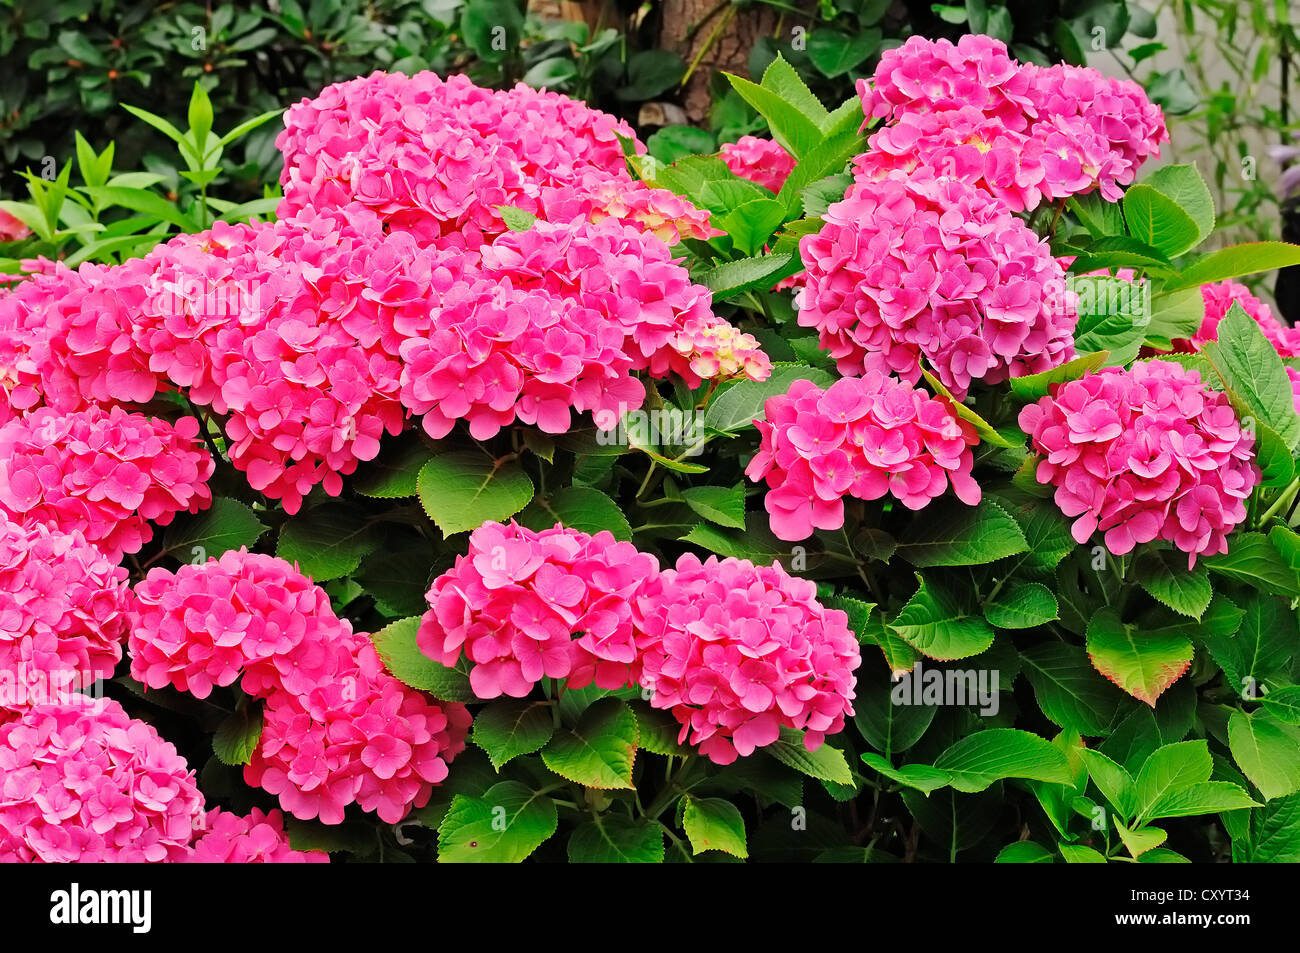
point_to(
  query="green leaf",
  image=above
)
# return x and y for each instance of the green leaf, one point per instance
(600, 751)
(516, 219)
(1157, 220)
(1184, 185)
(1284, 704)
(492, 28)
(1144, 664)
(649, 73)
(936, 624)
(921, 777)
(658, 730)
(1251, 558)
(507, 729)
(392, 475)
(1265, 750)
(1203, 797)
(200, 117)
(824, 764)
(614, 839)
(1024, 852)
(397, 649)
(713, 823)
(784, 80)
(1022, 606)
(835, 53)
(1069, 690)
(796, 133)
(461, 491)
(1141, 839)
(227, 524)
(1034, 386)
(1078, 854)
(1276, 837)
(1175, 315)
(752, 223)
(675, 142)
(503, 826)
(976, 761)
(238, 736)
(731, 278)
(1234, 262)
(328, 541)
(397, 576)
(742, 403)
(954, 534)
(1164, 574)
(1113, 781)
(578, 507)
(724, 506)
(887, 727)
(1254, 375)
(1169, 768)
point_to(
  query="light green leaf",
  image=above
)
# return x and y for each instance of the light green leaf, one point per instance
(1022, 605)
(1234, 262)
(724, 506)
(935, 623)
(742, 403)
(1158, 221)
(954, 534)
(713, 823)
(976, 761)
(503, 826)
(825, 764)
(397, 649)
(460, 491)
(1164, 574)
(238, 736)
(1265, 750)
(600, 751)
(1144, 664)
(509, 728)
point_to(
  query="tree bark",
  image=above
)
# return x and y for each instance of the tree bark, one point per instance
(719, 34)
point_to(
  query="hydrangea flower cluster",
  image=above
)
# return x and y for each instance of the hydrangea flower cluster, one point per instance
(862, 437)
(716, 350)
(761, 161)
(523, 605)
(1143, 454)
(104, 473)
(64, 613)
(1020, 131)
(737, 651)
(337, 728)
(918, 266)
(256, 839)
(84, 782)
(438, 157)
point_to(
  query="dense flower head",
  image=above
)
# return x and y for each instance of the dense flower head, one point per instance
(1219, 299)
(337, 728)
(104, 473)
(437, 158)
(716, 350)
(258, 838)
(963, 143)
(761, 161)
(737, 651)
(1095, 130)
(918, 266)
(1143, 454)
(83, 782)
(861, 437)
(64, 613)
(523, 605)
(1022, 131)
(928, 75)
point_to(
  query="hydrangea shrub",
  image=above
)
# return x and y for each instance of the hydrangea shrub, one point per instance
(515, 494)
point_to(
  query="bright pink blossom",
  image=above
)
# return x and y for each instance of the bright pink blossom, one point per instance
(63, 614)
(104, 473)
(912, 267)
(1219, 299)
(1143, 454)
(761, 161)
(737, 652)
(82, 782)
(863, 437)
(256, 839)
(525, 605)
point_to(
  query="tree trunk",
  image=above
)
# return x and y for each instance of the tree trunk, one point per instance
(724, 33)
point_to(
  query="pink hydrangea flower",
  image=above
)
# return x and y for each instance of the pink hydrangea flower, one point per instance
(917, 266)
(761, 161)
(337, 728)
(104, 473)
(1143, 454)
(718, 351)
(862, 437)
(930, 75)
(82, 782)
(965, 144)
(63, 614)
(525, 605)
(258, 838)
(737, 651)
(1293, 376)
